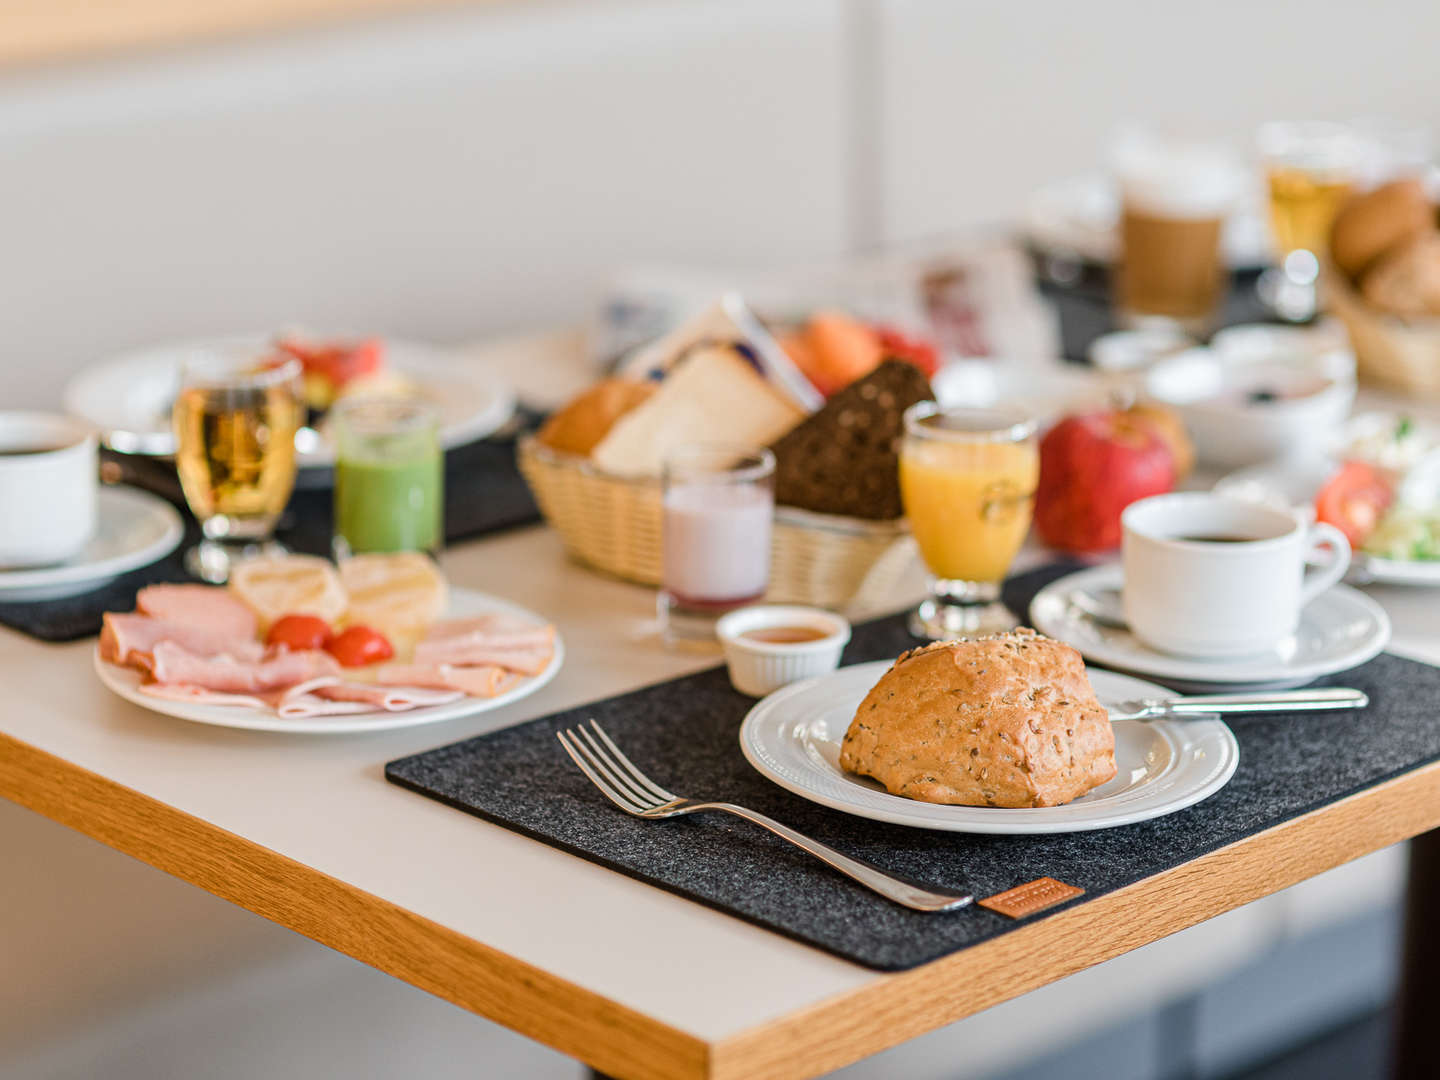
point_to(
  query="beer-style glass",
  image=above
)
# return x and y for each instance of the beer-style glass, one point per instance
(1309, 171)
(235, 420)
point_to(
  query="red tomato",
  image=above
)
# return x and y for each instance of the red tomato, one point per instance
(358, 646)
(299, 632)
(1353, 499)
(337, 361)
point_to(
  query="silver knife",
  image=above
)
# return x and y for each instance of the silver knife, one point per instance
(1311, 700)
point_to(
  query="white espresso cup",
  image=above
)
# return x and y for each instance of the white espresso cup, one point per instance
(48, 484)
(1214, 577)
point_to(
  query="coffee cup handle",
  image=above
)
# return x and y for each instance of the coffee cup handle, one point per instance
(1317, 581)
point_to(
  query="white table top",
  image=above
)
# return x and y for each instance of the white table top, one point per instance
(323, 802)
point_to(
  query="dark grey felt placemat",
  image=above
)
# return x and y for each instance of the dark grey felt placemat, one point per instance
(684, 732)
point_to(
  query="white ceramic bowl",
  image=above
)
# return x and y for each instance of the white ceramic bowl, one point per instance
(1309, 398)
(759, 667)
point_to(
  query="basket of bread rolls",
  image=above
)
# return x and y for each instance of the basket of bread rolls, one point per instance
(1384, 284)
(827, 400)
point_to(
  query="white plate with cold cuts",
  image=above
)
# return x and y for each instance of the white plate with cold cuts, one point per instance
(1340, 629)
(793, 738)
(125, 681)
(132, 529)
(129, 396)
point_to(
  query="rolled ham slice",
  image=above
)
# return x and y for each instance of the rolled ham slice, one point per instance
(210, 606)
(199, 695)
(512, 628)
(485, 681)
(498, 640)
(462, 651)
(389, 698)
(324, 695)
(177, 665)
(131, 638)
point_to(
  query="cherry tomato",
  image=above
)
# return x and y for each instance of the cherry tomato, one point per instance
(358, 646)
(299, 632)
(1353, 500)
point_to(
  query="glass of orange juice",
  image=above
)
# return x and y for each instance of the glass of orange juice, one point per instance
(967, 479)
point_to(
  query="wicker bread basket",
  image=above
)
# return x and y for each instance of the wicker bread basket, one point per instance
(613, 524)
(1403, 354)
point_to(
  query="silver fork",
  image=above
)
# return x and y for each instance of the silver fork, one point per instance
(632, 791)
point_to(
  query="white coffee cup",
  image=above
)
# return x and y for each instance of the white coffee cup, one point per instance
(1217, 598)
(48, 483)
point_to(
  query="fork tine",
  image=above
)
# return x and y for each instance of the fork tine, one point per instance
(601, 762)
(648, 784)
(616, 797)
(612, 772)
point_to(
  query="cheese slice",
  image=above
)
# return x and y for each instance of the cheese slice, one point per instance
(289, 585)
(712, 395)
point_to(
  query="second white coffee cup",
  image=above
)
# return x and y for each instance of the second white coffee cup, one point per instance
(1214, 577)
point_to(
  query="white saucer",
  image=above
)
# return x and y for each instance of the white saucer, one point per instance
(125, 681)
(1339, 629)
(133, 529)
(793, 738)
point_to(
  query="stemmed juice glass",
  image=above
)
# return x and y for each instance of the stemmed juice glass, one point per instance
(967, 480)
(235, 420)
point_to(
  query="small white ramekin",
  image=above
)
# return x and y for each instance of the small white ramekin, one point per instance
(759, 667)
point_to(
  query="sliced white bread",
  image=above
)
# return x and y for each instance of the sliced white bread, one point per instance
(711, 395)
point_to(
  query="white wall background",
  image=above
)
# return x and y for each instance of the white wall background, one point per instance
(459, 173)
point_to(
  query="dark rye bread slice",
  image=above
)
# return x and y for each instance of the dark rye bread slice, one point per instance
(845, 459)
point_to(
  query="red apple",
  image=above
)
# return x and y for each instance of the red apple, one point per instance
(1091, 467)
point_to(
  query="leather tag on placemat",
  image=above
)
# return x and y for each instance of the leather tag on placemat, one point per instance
(1032, 897)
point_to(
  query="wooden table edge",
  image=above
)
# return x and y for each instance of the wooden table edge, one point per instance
(621, 1042)
(577, 1022)
(854, 1025)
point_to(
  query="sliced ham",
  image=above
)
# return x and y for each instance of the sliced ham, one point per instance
(176, 664)
(199, 695)
(131, 638)
(389, 698)
(209, 606)
(514, 628)
(485, 681)
(498, 640)
(462, 651)
(325, 695)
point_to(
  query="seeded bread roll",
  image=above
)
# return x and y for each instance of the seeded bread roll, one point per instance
(1009, 720)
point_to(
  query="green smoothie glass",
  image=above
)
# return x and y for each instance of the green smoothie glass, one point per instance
(389, 476)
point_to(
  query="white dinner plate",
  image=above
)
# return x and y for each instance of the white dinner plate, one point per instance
(129, 396)
(793, 738)
(1293, 486)
(1340, 629)
(125, 681)
(1078, 217)
(132, 529)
